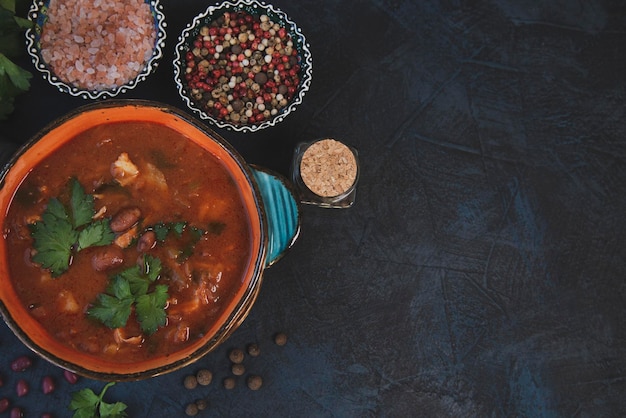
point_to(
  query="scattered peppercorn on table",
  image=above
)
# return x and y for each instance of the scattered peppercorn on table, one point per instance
(462, 191)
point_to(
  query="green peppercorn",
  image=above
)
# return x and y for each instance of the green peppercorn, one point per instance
(190, 382)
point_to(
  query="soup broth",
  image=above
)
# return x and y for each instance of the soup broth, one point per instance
(168, 203)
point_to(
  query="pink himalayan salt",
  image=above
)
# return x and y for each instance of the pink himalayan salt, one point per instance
(96, 44)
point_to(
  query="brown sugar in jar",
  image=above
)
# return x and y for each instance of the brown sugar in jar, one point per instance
(327, 171)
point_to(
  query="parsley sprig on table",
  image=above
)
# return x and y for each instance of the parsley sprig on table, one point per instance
(131, 288)
(86, 404)
(13, 79)
(61, 233)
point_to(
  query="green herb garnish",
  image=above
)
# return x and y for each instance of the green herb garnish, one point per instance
(13, 79)
(86, 404)
(131, 288)
(186, 235)
(59, 234)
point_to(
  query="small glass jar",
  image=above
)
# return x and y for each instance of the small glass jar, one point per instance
(326, 173)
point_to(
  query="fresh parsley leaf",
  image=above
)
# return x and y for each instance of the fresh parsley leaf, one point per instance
(136, 281)
(130, 288)
(14, 80)
(150, 309)
(179, 227)
(111, 311)
(81, 204)
(95, 234)
(152, 267)
(86, 404)
(57, 235)
(113, 410)
(54, 238)
(162, 229)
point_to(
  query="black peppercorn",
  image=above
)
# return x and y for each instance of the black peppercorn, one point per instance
(190, 382)
(280, 338)
(255, 382)
(204, 377)
(236, 355)
(254, 350)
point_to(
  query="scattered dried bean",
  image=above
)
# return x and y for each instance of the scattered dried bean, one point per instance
(4, 405)
(21, 388)
(47, 385)
(16, 413)
(21, 363)
(71, 377)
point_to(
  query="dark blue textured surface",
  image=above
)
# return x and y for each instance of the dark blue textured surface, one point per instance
(482, 269)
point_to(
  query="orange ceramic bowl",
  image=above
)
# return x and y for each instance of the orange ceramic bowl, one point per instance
(272, 211)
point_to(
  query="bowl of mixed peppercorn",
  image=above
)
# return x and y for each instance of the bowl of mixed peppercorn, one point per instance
(242, 65)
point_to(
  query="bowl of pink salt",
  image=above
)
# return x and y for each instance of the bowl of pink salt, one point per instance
(96, 49)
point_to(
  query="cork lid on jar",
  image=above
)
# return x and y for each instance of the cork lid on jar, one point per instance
(327, 172)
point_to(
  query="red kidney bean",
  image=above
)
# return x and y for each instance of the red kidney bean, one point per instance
(46, 415)
(20, 364)
(4, 405)
(124, 219)
(1, 381)
(70, 376)
(146, 241)
(16, 413)
(47, 385)
(22, 388)
(107, 258)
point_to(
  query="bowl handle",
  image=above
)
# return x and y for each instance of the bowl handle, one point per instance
(282, 211)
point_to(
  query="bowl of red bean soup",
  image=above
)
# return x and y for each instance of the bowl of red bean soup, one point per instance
(135, 239)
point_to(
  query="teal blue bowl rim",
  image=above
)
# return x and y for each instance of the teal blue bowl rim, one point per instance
(38, 15)
(282, 211)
